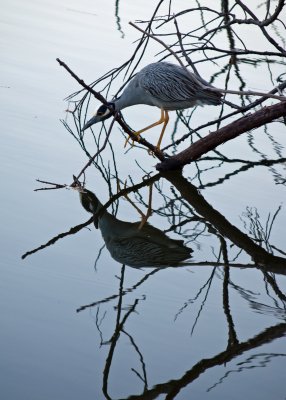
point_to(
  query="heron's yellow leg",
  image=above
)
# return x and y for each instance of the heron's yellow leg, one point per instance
(166, 120)
(128, 198)
(149, 209)
(144, 217)
(138, 133)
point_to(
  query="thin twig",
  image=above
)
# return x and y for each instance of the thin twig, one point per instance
(54, 185)
(189, 61)
(52, 241)
(100, 150)
(159, 41)
(249, 93)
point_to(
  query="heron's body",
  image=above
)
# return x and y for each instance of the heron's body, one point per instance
(163, 85)
(167, 86)
(128, 245)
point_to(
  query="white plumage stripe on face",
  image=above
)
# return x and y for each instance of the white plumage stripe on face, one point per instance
(107, 111)
(102, 111)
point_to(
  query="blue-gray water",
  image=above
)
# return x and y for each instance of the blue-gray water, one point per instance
(60, 315)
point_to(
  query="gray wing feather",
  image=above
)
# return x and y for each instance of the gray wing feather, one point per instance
(140, 252)
(172, 83)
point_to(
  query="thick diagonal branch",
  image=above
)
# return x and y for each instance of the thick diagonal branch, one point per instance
(222, 135)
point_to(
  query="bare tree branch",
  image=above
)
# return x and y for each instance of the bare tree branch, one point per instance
(228, 132)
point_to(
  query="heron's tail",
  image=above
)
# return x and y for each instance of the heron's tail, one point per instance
(211, 98)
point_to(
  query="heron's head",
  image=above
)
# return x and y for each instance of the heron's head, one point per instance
(102, 113)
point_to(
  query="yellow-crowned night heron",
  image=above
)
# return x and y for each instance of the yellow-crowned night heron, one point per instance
(147, 247)
(164, 85)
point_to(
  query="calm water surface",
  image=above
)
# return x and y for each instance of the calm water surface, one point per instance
(76, 323)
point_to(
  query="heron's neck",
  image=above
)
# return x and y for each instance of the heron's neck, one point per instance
(121, 102)
(91, 204)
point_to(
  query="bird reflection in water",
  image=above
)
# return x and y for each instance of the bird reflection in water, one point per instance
(129, 245)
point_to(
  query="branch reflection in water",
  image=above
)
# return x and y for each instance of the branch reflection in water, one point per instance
(218, 226)
(125, 242)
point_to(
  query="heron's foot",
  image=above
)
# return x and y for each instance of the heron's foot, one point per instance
(153, 152)
(133, 140)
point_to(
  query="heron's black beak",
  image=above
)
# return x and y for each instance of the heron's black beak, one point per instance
(93, 120)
